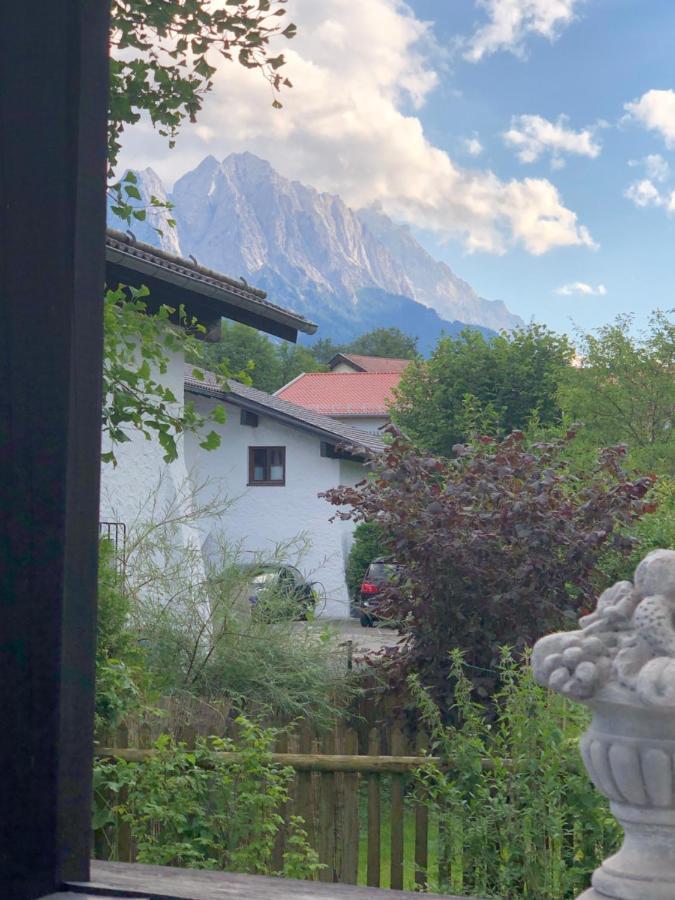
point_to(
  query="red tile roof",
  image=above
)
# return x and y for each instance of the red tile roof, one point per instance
(342, 393)
(371, 363)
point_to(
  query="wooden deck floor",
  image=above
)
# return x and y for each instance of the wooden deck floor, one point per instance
(164, 883)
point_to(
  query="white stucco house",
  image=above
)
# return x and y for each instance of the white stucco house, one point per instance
(275, 457)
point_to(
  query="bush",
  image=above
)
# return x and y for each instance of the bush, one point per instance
(192, 618)
(499, 545)
(194, 809)
(521, 818)
(117, 656)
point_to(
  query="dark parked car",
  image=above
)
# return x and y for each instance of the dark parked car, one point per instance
(379, 574)
(279, 592)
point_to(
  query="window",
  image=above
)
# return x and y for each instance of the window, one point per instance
(267, 465)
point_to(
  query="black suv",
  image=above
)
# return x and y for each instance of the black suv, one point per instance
(380, 572)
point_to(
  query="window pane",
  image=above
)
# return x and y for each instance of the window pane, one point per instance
(259, 464)
(276, 456)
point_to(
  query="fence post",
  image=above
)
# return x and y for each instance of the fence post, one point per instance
(397, 811)
(374, 814)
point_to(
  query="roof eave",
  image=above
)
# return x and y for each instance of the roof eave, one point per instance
(229, 297)
(261, 409)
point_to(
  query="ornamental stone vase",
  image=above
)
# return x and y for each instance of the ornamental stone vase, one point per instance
(621, 664)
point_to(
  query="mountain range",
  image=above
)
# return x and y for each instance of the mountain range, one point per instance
(348, 270)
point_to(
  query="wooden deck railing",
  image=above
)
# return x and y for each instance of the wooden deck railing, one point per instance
(347, 799)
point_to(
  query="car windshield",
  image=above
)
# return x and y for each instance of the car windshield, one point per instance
(381, 571)
(265, 578)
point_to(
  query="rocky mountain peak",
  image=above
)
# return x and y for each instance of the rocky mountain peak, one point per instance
(314, 253)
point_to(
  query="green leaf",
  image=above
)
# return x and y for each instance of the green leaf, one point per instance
(211, 442)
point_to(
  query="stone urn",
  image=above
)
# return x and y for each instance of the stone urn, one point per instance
(621, 664)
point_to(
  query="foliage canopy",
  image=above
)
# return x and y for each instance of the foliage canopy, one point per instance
(625, 390)
(476, 385)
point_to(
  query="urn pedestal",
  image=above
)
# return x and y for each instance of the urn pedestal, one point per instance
(621, 664)
(629, 753)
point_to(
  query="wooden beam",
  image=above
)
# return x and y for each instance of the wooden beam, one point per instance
(53, 102)
(301, 762)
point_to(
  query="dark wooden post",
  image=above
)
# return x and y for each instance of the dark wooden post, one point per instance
(53, 101)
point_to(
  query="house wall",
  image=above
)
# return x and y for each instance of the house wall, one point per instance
(263, 517)
(126, 488)
(344, 367)
(366, 423)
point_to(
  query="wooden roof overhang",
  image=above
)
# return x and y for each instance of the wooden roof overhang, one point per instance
(206, 294)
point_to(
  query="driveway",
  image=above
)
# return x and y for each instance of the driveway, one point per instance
(364, 640)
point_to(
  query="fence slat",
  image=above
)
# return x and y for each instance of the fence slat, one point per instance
(327, 814)
(374, 824)
(421, 823)
(339, 804)
(350, 837)
(304, 799)
(397, 813)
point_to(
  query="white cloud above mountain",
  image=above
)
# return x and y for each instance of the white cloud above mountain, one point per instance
(350, 126)
(655, 111)
(532, 137)
(511, 22)
(582, 288)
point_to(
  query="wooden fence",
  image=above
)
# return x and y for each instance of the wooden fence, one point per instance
(351, 786)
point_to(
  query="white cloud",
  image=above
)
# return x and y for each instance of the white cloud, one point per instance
(655, 110)
(653, 190)
(511, 21)
(656, 167)
(472, 146)
(580, 287)
(645, 193)
(534, 136)
(348, 126)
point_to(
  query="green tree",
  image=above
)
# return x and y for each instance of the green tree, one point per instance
(294, 359)
(391, 343)
(242, 348)
(624, 392)
(268, 365)
(325, 349)
(472, 383)
(387, 342)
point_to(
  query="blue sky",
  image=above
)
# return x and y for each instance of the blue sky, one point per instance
(569, 219)
(613, 53)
